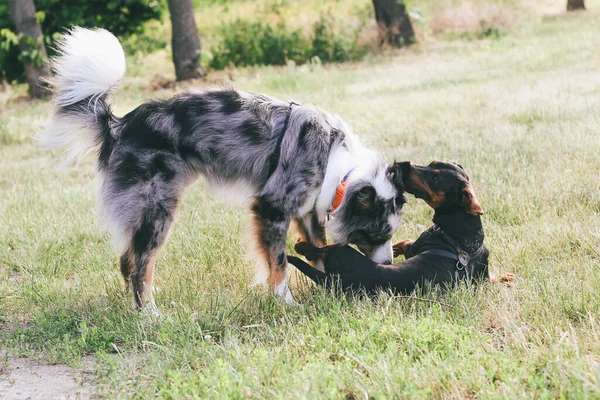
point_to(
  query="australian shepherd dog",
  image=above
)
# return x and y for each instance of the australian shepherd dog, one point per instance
(301, 164)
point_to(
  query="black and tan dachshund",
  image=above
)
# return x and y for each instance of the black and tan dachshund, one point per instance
(450, 251)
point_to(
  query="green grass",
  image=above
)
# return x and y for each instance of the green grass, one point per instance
(520, 113)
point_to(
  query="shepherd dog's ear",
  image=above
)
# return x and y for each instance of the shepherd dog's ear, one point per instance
(312, 253)
(362, 200)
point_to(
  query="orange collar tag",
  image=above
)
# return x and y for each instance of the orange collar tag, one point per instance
(340, 192)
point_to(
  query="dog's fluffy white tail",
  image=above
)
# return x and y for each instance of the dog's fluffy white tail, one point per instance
(89, 66)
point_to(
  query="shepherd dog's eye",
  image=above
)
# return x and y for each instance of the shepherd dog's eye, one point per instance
(434, 178)
(399, 201)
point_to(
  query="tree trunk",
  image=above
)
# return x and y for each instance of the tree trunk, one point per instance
(575, 5)
(22, 13)
(394, 23)
(185, 40)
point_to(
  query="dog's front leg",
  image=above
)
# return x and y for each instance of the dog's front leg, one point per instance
(271, 224)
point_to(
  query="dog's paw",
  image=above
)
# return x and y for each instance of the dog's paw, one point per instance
(504, 278)
(288, 299)
(150, 309)
(283, 293)
(508, 277)
(400, 247)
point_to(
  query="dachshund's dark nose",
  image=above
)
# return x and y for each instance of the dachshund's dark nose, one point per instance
(387, 262)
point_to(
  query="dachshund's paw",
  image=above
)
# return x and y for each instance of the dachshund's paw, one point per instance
(504, 278)
(400, 247)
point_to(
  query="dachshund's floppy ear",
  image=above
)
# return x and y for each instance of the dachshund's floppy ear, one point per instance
(396, 175)
(470, 202)
(462, 169)
(308, 250)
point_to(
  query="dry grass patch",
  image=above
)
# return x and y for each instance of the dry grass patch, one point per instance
(470, 19)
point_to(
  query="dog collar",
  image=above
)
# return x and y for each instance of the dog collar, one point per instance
(340, 192)
(461, 257)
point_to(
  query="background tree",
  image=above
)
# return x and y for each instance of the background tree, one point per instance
(31, 44)
(185, 40)
(394, 23)
(575, 5)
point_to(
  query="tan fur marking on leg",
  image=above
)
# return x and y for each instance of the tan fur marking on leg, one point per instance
(145, 290)
(148, 294)
(276, 277)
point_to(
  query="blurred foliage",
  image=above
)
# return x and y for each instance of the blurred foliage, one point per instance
(256, 43)
(333, 44)
(204, 3)
(147, 41)
(122, 17)
(9, 42)
(246, 43)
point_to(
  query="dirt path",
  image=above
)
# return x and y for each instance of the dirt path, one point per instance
(25, 378)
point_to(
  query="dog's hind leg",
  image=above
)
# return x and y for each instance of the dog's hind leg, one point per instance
(147, 241)
(126, 261)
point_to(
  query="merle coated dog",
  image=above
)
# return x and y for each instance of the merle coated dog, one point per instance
(297, 163)
(450, 251)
